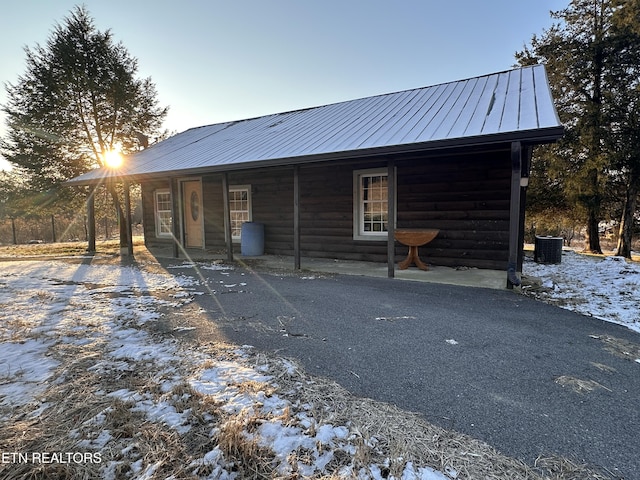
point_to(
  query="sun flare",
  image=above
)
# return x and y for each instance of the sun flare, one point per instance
(113, 158)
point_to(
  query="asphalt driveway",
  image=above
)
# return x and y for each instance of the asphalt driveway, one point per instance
(525, 377)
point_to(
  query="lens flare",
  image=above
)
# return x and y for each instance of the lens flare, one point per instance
(112, 158)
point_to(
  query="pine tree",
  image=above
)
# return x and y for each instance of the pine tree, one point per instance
(625, 117)
(78, 99)
(581, 53)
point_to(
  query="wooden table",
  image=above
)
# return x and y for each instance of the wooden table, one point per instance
(414, 238)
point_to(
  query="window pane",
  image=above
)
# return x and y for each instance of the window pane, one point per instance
(165, 222)
(374, 203)
(163, 213)
(239, 206)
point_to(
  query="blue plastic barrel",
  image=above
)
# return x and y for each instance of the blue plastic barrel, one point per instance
(252, 239)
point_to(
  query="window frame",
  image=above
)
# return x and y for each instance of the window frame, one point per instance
(157, 211)
(358, 204)
(240, 188)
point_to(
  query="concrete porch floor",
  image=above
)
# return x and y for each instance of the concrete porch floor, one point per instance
(463, 276)
(470, 277)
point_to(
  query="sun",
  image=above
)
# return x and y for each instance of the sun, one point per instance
(112, 158)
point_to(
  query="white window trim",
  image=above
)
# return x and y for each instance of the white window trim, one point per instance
(161, 191)
(358, 234)
(247, 188)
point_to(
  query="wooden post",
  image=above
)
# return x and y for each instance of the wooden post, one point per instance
(91, 220)
(296, 217)
(127, 217)
(391, 219)
(524, 183)
(514, 215)
(175, 216)
(227, 216)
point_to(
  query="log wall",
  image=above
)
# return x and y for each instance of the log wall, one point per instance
(464, 195)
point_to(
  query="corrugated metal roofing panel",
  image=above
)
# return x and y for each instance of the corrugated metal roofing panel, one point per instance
(511, 108)
(474, 124)
(515, 103)
(545, 108)
(528, 110)
(451, 110)
(466, 111)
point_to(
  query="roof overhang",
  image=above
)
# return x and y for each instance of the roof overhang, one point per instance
(533, 137)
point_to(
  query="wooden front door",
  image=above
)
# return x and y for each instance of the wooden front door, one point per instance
(192, 201)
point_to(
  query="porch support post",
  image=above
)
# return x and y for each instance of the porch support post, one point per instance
(91, 220)
(175, 216)
(527, 153)
(514, 215)
(296, 217)
(127, 217)
(391, 219)
(227, 216)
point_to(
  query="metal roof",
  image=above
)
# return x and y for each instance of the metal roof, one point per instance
(505, 106)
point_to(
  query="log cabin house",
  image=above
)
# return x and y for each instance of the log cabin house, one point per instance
(337, 180)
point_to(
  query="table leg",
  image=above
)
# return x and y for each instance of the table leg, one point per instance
(412, 257)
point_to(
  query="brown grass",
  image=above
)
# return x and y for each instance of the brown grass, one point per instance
(619, 347)
(110, 247)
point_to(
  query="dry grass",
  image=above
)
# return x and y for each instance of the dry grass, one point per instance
(80, 412)
(253, 461)
(579, 385)
(619, 347)
(110, 247)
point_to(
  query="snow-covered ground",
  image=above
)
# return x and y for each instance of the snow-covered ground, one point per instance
(604, 287)
(52, 312)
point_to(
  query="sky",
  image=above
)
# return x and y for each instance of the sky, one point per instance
(214, 61)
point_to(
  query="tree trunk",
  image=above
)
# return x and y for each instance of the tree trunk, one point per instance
(592, 202)
(625, 236)
(122, 218)
(592, 239)
(53, 229)
(13, 231)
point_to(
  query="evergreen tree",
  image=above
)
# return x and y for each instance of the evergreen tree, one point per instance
(79, 99)
(582, 53)
(625, 117)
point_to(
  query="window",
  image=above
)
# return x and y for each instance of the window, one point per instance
(370, 194)
(164, 221)
(239, 208)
